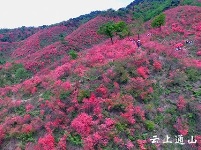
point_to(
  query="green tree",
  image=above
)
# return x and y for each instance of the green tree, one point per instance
(158, 21)
(121, 29)
(108, 29)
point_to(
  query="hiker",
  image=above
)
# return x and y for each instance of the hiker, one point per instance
(178, 46)
(149, 34)
(189, 42)
(138, 43)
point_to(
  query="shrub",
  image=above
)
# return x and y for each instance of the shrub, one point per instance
(197, 93)
(181, 126)
(121, 74)
(157, 65)
(143, 71)
(73, 54)
(83, 94)
(82, 124)
(178, 78)
(75, 139)
(64, 95)
(21, 73)
(181, 103)
(26, 137)
(158, 21)
(193, 74)
(121, 126)
(46, 95)
(47, 142)
(2, 61)
(20, 110)
(149, 125)
(119, 108)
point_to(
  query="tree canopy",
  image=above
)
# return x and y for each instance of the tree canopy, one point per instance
(158, 21)
(110, 28)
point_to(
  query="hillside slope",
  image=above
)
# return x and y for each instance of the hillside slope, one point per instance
(104, 96)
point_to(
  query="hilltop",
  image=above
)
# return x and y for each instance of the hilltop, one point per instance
(67, 87)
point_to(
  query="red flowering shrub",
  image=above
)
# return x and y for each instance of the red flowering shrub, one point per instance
(27, 128)
(141, 144)
(86, 35)
(29, 107)
(178, 28)
(116, 87)
(102, 90)
(62, 143)
(198, 138)
(117, 100)
(199, 53)
(66, 85)
(181, 126)
(129, 145)
(109, 122)
(117, 140)
(47, 142)
(139, 112)
(92, 104)
(143, 71)
(2, 133)
(181, 103)
(128, 115)
(29, 85)
(157, 65)
(140, 87)
(82, 124)
(91, 141)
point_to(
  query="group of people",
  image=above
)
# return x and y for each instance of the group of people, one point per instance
(138, 43)
(189, 42)
(180, 45)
